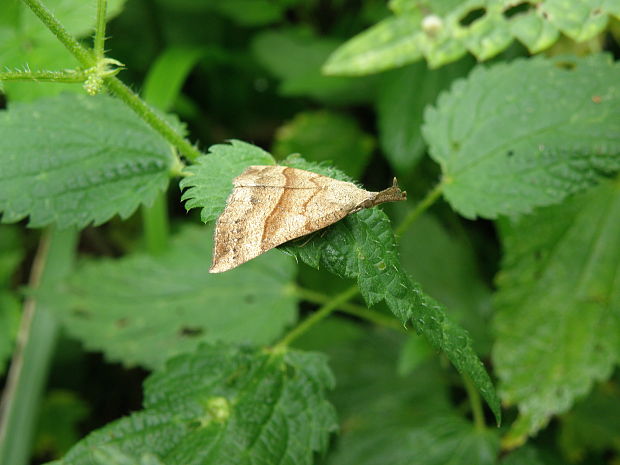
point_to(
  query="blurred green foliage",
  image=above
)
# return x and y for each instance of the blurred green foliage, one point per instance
(365, 89)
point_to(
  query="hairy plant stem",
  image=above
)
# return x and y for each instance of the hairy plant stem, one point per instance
(34, 349)
(475, 402)
(84, 56)
(348, 308)
(420, 208)
(133, 101)
(88, 60)
(102, 6)
(317, 316)
(69, 76)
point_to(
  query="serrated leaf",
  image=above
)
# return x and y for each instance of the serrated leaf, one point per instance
(558, 306)
(442, 260)
(504, 149)
(142, 310)
(388, 44)
(326, 136)
(362, 247)
(578, 19)
(74, 160)
(445, 439)
(210, 179)
(295, 57)
(28, 44)
(403, 95)
(226, 405)
(440, 32)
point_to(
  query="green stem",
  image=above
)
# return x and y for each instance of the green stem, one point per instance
(420, 208)
(138, 105)
(155, 224)
(84, 56)
(35, 347)
(69, 76)
(317, 316)
(475, 402)
(115, 85)
(349, 308)
(100, 29)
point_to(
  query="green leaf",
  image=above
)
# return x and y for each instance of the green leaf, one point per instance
(362, 246)
(444, 440)
(388, 44)
(75, 160)
(403, 95)
(322, 136)
(143, 310)
(504, 149)
(592, 425)
(108, 455)
(442, 31)
(558, 306)
(443, 261)
(226, 405)
(210, 179)
(295, 57)
(25, 43)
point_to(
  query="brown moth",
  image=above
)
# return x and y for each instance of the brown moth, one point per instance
(270, 205)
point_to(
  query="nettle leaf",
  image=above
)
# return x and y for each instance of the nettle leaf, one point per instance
(210, 179)
(443, 32)
(226, 405)
(526, 134)
(402, 98)
(362, 247)
(141, 310)
(443, 261)
(112, 456)
(326, 136)
(443, 440)
(558, 306)
(73, 160)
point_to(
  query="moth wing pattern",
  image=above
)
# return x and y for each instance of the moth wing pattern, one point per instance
(270, 205)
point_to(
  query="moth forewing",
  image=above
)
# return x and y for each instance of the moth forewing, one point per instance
(271, 205)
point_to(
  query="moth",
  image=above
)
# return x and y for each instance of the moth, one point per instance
(271, 205)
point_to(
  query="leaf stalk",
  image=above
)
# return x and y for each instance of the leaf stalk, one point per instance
(420, 208)
(316, 317)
